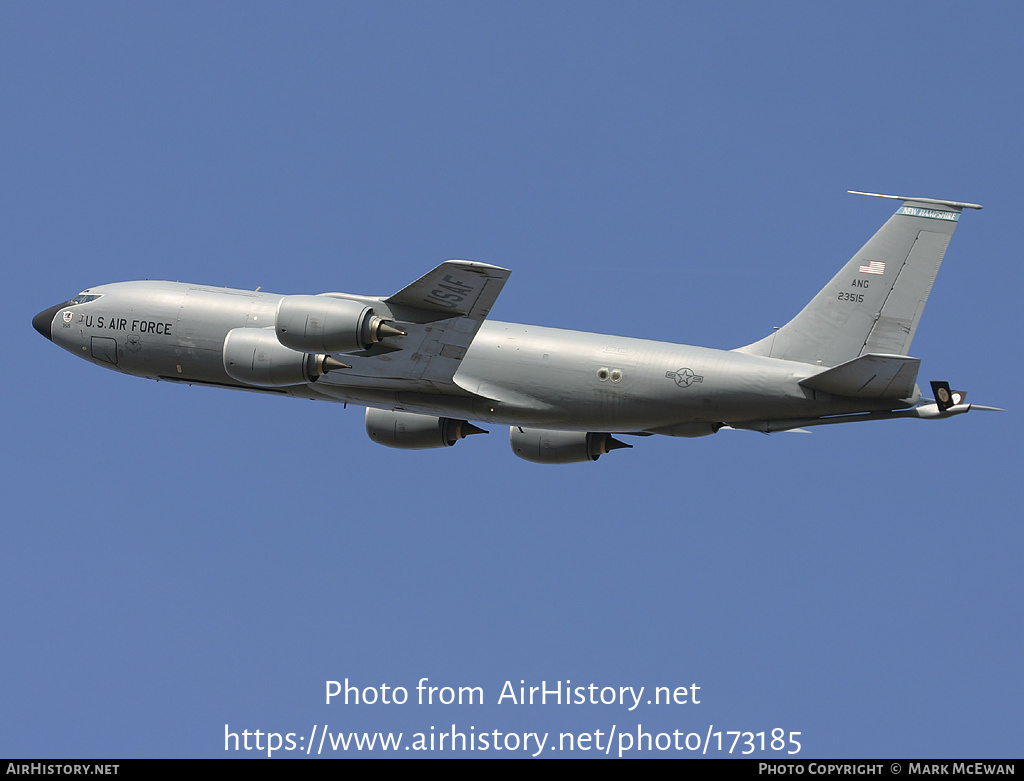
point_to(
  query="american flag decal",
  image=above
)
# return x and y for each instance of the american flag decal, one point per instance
(873, 267)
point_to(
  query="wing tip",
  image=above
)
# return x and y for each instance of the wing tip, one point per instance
(474, 264)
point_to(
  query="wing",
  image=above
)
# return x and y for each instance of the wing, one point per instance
(456, 288)
(441, 313)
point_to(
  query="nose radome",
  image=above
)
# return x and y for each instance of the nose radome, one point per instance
(44, 320)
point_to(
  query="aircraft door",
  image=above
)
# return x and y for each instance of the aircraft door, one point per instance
(104, 350)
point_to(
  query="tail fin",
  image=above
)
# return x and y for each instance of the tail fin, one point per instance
(873, 305)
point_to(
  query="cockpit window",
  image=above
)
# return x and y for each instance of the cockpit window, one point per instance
(85, 298)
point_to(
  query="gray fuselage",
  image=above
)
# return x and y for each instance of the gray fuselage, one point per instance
(511, 374)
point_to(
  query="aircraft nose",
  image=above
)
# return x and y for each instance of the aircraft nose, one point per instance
(44, 320)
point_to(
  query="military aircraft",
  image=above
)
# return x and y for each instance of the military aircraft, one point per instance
(425, 361)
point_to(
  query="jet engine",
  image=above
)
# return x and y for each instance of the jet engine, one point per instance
(689, 429)
(410, 431)
(255, 357)
(329, 325)
(560, 447)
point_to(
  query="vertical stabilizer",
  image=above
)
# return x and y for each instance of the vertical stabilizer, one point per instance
(873, 305)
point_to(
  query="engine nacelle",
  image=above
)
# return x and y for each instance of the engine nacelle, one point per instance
(560, 447)
(255, 357)
(688, 430)
(410, 431)
(321, 324)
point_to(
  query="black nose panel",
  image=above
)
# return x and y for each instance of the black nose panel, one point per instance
(44, 319)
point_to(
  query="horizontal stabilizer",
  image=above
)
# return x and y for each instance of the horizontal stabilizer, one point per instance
(869, 377)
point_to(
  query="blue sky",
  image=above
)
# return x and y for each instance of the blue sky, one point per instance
(180, 559)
